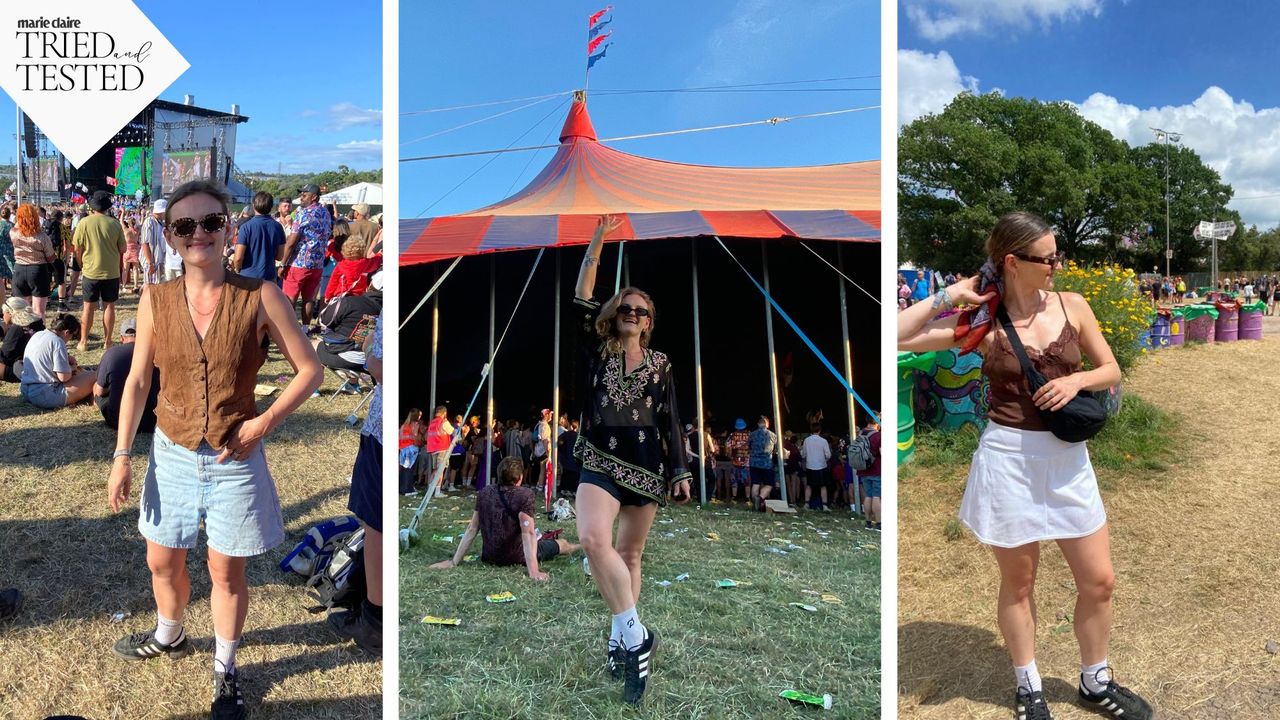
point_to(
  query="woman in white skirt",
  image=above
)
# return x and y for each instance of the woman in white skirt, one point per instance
(1025, 485)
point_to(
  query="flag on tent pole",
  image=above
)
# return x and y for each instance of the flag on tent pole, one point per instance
(111, 181)
(595, 38)
(595, 17)
(591, 59)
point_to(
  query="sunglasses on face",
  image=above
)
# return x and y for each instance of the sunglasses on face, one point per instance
(186, 227)
(640, 312)
(1052, 260)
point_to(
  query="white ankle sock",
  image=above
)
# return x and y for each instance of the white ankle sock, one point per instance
(630, 627)
(1028, 676)
(167, 631)
(224, 654)
(1095, 677)
(615, 633)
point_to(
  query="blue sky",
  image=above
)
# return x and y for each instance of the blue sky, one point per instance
(1206, 70)
(455, 54)
(309, 78)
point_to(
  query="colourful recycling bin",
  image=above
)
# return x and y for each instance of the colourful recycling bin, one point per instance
(1160, 327)
(1251, 320)
(1177, 327)
(908, 364)
(1227, 326)
(1200, 322)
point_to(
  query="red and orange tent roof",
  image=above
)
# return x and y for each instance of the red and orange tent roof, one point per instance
(656, 199)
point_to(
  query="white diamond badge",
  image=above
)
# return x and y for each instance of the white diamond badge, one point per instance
(82, 74)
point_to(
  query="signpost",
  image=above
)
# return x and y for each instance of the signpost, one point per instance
(1214, 231)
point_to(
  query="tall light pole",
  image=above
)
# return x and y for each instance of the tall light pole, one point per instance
(1166, 136)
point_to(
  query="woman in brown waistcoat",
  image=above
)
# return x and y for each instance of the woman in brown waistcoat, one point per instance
(1025, 485)
(205, 331)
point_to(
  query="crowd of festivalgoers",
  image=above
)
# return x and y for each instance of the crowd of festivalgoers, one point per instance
(56, 257)
(741, 465)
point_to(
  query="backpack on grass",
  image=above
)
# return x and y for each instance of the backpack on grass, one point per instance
(340, 583)
(313, 552)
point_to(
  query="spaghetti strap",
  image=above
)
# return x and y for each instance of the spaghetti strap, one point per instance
(1064, 308)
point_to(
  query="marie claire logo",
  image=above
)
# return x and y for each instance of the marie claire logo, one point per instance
(83, 75)
(66, 58)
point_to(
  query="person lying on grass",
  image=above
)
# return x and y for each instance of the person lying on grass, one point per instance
(504, 519)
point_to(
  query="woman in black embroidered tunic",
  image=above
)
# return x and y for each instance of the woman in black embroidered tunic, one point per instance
(630, 446)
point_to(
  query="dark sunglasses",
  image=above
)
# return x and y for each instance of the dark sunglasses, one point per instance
(638, 311)
(1056, 259)
(186, 227)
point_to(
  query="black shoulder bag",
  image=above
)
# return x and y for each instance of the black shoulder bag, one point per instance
(1080, 419)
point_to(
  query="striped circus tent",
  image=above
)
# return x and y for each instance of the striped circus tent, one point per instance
(656, 199)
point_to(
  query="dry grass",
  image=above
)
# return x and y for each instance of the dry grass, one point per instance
(722, 653)
(1196, 547)
(78, 564)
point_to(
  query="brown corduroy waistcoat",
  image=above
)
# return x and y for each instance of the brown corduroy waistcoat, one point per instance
(206, 388)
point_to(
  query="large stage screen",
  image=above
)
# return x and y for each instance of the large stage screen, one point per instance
(180, 167)
(46, 179)
(133, 170)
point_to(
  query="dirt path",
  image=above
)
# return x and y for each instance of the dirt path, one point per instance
(1196, 549)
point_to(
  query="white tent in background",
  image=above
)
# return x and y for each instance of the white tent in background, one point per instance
(364, 192)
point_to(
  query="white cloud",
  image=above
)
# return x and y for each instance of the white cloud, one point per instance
(345, 116)
(1233, 137)
(941, 19)
(927, 82)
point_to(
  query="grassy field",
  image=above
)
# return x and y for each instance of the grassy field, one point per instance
(723, 653)
(1187, 473)
(81, 566)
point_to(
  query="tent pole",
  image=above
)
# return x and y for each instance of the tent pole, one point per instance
(848, 365)
(488, 450)
(435, 343)
(700, 426)
(773, 376)
(617, 278)
(553, 451)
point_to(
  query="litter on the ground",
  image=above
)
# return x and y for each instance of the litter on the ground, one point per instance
(264, 390)
(823, 701)
(831, 599)
(120, 615)
(802, 606)
(682, 577)
(726, 583)
(774, 550)
(663, 583)
(502, 597)
(442, 538)
(714, 537)
(433, 620)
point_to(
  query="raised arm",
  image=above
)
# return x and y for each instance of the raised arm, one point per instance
(285, 331)
(918, 331)
(587, 274)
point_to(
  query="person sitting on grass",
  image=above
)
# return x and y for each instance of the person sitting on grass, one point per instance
(504, 518)
(112, 373)
(20, 325)
(50, 377)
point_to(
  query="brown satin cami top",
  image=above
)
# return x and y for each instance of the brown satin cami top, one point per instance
(206, 387)
(1011, 403)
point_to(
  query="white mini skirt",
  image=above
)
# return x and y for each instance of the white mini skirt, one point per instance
(1028, 486)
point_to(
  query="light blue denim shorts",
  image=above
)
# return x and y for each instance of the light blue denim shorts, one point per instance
(49, 396)
(236, 501)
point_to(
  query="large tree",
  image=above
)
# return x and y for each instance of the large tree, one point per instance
(986, 155)
(1196, 193)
